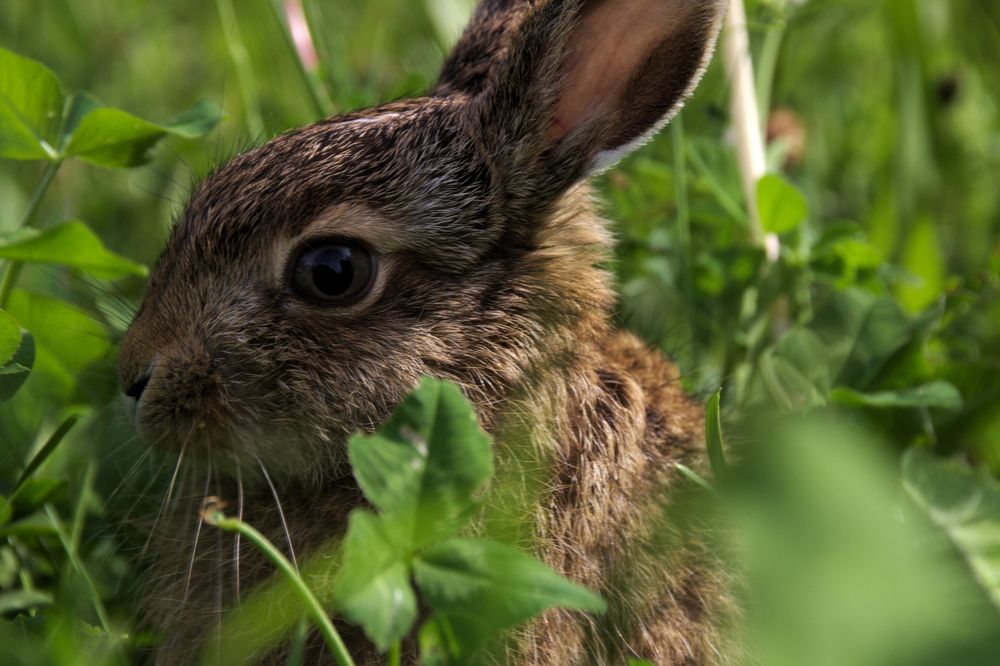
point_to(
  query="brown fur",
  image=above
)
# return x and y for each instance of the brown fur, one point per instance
(488, 277)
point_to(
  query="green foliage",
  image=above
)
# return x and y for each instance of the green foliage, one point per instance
(782, 206)
(875, 330)
(423, 471)
(70, 243)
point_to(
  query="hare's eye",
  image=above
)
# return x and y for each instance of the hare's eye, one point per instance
(335, 272)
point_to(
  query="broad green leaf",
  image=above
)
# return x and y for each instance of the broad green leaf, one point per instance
(70, 349)
(113, 138)
(424, 466)
(861, 333)
(965, 505)
(781, 205)
(713, 436)
(10, 337)
(6, 512)
(489, 586)
(835, 574)
(70, 243)
(31, 104)
(938, 394)
(373, 586)
(16, 371)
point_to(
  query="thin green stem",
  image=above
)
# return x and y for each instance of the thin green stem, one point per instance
(395, 654)
(28, 218)
(74, 559)
(767, 66)
(213, 516)
(317, 95)
(13, 271)
(244, 72)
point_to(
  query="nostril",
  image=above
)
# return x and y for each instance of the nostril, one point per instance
(137, 387)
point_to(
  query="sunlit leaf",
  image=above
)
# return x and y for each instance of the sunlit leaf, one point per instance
(424, 466)
(31, 104)
(70, 243)
(781, 205)
(113, 138)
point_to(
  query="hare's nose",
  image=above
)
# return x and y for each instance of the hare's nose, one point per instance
(136, 388)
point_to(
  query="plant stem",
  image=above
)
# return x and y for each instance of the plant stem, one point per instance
(28, 219)
(213, 516)
(65, 540)
(317, 95)
(746, 117)
(395, 654)
(238, 52)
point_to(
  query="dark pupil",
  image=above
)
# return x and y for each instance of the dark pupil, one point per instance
(332, 270)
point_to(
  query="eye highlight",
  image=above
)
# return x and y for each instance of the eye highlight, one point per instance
(337, 272)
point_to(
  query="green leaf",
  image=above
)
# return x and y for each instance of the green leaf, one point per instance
(861, 333)
(965, 505)
(70, 243)
(422, 469)
(781, 205)
(489, 586)
(373, 586)
(113, 138)
(71, 348)
(22, 600)
(939, 394)
(31, 104)
(15, 372)
(10, 337)
(713, 436)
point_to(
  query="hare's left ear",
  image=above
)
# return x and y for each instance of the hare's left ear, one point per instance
(584, 82)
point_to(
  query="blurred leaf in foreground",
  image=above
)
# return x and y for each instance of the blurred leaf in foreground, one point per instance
(965, 505)
(837, 575)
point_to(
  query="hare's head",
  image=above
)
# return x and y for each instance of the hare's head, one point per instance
(312, 280)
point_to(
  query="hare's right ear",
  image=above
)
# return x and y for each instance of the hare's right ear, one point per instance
(573, 85)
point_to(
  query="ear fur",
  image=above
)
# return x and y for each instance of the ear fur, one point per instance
(571, 86)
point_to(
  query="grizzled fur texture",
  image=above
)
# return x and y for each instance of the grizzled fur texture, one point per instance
(475, 200)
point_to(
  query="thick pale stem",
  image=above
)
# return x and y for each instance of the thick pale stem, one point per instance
(746, 118)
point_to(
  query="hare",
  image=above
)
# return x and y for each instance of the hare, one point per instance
(312, 281)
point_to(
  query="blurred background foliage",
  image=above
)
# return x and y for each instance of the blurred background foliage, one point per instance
(876, 330)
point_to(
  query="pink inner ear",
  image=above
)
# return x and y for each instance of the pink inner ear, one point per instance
(609, 45)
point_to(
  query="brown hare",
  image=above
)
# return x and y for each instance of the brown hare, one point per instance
(312, 282)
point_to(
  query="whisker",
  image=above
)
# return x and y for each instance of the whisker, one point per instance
(281, 512)
(239, 516)
(197, 533)
(166, 499)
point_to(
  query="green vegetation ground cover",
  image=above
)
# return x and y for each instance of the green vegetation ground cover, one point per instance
(860, 403)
